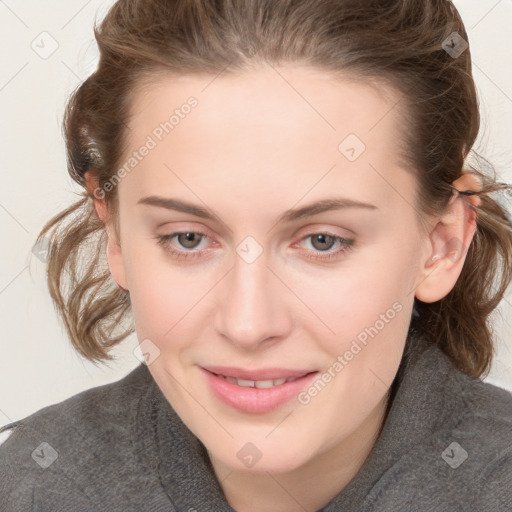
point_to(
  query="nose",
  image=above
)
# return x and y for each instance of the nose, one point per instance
(252, 305)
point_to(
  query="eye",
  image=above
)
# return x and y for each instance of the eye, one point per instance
(322, 242)
(188, 240)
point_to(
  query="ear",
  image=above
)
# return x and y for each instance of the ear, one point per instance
(449, 242)
(114, 252)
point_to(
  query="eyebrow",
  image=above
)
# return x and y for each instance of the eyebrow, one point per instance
(333, 203)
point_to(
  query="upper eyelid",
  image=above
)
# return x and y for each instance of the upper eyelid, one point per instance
(314, 229)
(309, 233)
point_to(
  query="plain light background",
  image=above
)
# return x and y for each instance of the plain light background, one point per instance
(38, 366)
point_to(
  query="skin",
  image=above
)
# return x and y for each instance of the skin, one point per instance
(252, 149)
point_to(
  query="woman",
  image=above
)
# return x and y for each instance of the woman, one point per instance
(279, 193)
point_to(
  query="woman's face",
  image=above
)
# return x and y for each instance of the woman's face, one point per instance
(262, 281)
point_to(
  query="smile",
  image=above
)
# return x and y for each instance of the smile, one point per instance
(256, 396)
(261, 384)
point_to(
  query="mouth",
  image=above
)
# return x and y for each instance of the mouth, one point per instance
(257, 395)
(262, 375)
(260, 384)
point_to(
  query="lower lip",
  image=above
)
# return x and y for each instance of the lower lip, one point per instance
(256, 400)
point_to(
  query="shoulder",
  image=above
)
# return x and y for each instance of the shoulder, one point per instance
(450, 444)
(476, 409)
(468, 457)
(484, 412)
(484, 425)
(81, 413)
(48, 449)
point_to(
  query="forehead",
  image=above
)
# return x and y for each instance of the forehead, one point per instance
(307, 101)
(282, 127)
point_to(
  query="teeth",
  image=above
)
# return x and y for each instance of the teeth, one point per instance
(261, 384)
(268, 383)
(246, 383)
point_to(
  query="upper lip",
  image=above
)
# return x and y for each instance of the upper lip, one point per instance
(262, 374)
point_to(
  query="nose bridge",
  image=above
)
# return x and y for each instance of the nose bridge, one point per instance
(250, 311)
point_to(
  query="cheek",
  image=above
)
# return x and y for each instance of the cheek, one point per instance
(366, 311)
(167, 299)
(157, 292)
(337, 304)
(356, 297)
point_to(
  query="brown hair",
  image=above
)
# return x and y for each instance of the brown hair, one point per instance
(396, 42)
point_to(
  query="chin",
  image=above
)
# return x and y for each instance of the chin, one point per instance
(275, 464)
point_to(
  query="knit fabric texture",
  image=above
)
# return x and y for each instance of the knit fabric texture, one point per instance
(446, 445)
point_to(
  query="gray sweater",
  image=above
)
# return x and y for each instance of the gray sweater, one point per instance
(446, 445)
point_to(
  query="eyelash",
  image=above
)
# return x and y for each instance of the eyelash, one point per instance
(163, 240)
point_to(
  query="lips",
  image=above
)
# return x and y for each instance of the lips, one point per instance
(264, 374)
(256, 395)
(260, 384)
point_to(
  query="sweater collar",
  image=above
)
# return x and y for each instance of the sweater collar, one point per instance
(172, 451)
